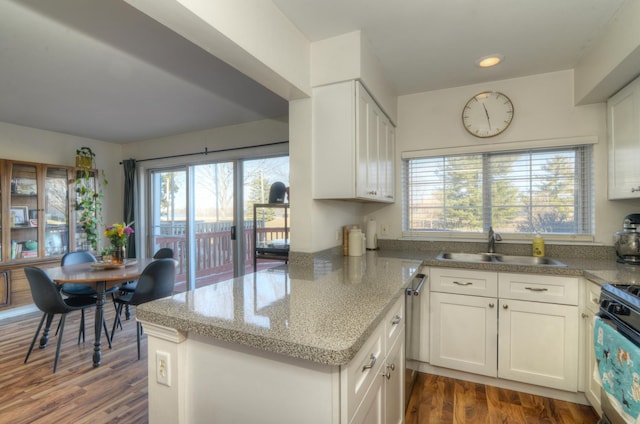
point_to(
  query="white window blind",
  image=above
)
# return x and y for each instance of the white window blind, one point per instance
(525, 192)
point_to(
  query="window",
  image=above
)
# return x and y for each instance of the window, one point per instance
(521, 192)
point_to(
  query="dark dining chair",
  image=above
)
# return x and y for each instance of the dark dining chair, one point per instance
(156, 281)
(82, 290)
(47, 298)
(130, 287)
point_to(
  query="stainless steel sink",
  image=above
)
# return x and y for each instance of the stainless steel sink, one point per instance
(499, 259)
(465, 257)
(527, 260)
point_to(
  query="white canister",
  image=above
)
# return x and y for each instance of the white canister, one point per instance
(355, 242)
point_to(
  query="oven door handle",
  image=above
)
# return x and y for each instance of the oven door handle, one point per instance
(423, 278)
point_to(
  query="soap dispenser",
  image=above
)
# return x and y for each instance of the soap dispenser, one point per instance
(538, 246)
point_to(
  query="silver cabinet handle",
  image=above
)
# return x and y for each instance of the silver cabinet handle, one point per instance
(634, 189)
(536, 289)
(372, 362)
(396, 320)
(585, 315)
(468, 283)
(387, 373)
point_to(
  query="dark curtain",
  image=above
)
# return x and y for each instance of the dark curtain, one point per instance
(129, 166)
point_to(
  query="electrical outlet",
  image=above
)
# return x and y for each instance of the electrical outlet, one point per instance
(163, 372)
(384, 229)
(337, 235)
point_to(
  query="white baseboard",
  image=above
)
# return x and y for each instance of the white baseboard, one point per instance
(15, 312)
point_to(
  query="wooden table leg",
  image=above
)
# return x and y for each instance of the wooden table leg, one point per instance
(97, 349)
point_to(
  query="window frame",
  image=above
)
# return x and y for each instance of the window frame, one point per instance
(588, 207)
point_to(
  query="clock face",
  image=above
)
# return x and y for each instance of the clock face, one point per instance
(487, 114)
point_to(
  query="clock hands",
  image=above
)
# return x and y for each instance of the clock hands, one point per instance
(487, 113)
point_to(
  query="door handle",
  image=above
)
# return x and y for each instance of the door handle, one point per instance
(233, 232)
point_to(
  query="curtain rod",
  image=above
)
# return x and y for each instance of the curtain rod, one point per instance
(207, 151)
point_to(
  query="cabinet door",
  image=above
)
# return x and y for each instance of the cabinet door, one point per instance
(387, 140)
(463, 333)
(56, 211)
(394, 383)
(23, 211)
(538, 344)
(367, 145)
(624, 142)
(371, 411)
(592, 388)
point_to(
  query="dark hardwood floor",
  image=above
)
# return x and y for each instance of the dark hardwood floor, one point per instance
(442, 400)
(116, 392)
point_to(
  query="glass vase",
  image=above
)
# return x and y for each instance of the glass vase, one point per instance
(119, 254)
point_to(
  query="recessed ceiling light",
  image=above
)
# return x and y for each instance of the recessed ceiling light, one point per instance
(488, 61)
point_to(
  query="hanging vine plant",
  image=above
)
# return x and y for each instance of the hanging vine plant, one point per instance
(89, 194)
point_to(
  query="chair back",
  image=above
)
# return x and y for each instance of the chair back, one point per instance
(163, 253)
(44, 292)
(78, 257)
(156, 281)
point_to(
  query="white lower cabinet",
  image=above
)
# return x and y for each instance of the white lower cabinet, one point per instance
(394, 383)
(528, 331)
(591, 307)
(463, 333)
(538, 344)
(372, 383)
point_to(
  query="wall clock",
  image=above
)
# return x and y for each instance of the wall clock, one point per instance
(487, 114)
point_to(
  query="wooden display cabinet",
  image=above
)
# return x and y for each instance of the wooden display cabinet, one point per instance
(37, 206)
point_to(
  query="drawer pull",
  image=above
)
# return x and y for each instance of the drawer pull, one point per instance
(396, 320)
(536, 289)
(468, 283)
(372, 362)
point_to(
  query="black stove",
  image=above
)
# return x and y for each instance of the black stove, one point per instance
(620, 304)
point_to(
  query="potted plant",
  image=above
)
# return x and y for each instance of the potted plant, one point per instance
(85, 158)
(89, 194)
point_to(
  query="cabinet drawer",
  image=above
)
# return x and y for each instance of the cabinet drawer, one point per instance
(592, 302)
(358, 375)
(394, 322)
(538, 288)
(461, 281)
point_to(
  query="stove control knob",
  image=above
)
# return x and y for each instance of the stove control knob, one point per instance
(617, 309)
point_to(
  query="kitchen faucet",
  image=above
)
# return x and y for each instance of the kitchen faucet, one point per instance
(493, 238)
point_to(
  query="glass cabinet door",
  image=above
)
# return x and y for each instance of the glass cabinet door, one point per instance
(56, 208)
(23, 210)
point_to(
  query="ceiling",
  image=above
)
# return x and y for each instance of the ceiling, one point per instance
(103, 70)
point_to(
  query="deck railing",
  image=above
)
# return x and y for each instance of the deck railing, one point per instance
(214, 254)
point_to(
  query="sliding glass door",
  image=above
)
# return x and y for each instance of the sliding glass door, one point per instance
(203, 212)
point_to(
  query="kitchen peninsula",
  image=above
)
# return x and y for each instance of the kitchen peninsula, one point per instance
(281, 345)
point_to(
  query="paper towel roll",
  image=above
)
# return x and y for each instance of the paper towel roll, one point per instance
(370, 233)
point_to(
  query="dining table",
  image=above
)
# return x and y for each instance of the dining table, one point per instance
(100, 276)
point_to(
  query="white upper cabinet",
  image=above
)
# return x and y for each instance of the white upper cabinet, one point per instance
(353, 145)
(624, 142)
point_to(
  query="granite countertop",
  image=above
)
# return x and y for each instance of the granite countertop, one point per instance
(324, 310)
(323, 313)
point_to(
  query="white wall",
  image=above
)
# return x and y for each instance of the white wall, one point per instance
(34, 145)
(544, 110)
